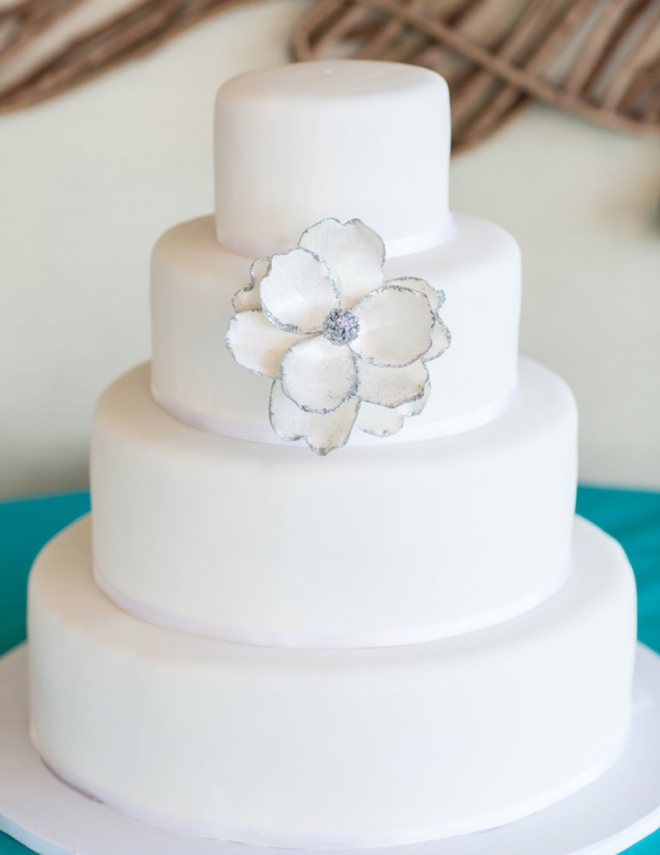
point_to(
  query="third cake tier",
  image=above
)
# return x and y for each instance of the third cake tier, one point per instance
(272, 545)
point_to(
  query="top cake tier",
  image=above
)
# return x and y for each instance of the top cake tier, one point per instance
(343, 138)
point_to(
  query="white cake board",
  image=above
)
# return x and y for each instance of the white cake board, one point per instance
(608, 816)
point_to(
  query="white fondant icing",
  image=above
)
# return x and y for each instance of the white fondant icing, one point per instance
(374, 638)
(267, 540)
(299, 143)
(364, 840)
(331, 747)
(613, 813)
(414, 430)
(402, 246)
(194, 280)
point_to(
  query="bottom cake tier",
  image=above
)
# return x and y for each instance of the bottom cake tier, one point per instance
(331, 748)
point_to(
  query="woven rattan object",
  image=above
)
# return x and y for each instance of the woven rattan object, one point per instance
(599, 59)
(596, 58)
(117, 38)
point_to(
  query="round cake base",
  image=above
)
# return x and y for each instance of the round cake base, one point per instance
(605, 818)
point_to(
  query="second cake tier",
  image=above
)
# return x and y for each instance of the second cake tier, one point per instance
(271, 545)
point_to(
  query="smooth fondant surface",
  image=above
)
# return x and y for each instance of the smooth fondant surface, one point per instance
(298, 143)
(604, 818)
(319, 747)
(272, 545)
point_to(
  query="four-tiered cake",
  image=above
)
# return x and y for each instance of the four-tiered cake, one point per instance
(404, 636)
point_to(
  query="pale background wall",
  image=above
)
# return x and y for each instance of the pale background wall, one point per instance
(87, 182)
(584, 203)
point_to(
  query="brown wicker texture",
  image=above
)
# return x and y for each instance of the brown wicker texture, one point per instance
(135, 32)
(596, 58)
(599, 59)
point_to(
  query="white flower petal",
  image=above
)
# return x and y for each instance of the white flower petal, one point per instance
(298, 291)
(441, 340)
(379, 421)
(414, 408)
(395, 326)
(436, 298)
(391, 387)
(246, 299)
(319, 376)
(322, 433)
(287, 419)
(250, 297)
(256, 344)
(333, 430)
(354, 252)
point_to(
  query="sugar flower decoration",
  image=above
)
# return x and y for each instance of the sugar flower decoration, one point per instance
(343, 347)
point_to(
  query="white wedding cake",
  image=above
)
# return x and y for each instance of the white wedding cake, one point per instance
(332, 592)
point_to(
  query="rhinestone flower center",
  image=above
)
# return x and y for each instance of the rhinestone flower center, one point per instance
(341, 326)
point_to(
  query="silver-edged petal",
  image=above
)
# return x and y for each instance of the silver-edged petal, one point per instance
(415, 407)
(395, 326)
(391, 387)
(441, 340)
(319, 376)
(435, 297)
(298, 291)
(287, 420)
(256, 344)
(332, 431)
(379, 421)
(354, 252)
(322, 433)
(250, 297)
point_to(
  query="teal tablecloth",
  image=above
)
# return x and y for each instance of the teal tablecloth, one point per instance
(630, 516)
